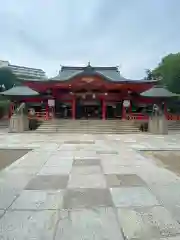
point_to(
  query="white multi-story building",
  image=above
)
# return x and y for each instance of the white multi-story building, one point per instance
(24, 72)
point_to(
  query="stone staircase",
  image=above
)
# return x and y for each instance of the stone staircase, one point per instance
(88, 126)
(4, 123)
(174, 126)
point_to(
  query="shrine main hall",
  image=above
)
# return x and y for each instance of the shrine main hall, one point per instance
(87, 92)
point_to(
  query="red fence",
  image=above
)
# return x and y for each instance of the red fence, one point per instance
(44, 116)
(140, 117)
(173, 117)
(41, 116)
(137, 116)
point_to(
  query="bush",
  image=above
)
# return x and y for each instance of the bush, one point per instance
(4, 108)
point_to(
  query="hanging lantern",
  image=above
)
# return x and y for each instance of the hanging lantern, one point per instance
(94, 96)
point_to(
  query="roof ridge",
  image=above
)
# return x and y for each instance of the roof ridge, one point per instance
(115, 68)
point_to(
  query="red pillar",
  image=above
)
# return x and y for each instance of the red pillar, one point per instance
(74, 108)
(103, 109)
(130, 108)
(123, 112)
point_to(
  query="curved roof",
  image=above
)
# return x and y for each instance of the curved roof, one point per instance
(109, 73)
(20, 91)
(158, 91)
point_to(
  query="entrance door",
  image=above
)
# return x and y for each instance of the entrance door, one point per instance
(114, 110)
(63, 110)
(91, 112)
(88, 110)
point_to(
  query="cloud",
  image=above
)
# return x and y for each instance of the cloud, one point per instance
(133, 34)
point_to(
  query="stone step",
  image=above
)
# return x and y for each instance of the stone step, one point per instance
(91, 127)
(4, 123)
(93, 130)
(174, 126)
(88, 126)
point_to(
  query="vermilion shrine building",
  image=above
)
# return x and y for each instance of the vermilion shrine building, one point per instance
(84, 92)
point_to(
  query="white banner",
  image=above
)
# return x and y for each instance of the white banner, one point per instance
(126, 103)
(51, 102)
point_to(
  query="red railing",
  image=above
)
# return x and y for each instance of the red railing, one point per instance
(44, 116)
(137, 116)
(41, 116)
(172, 117)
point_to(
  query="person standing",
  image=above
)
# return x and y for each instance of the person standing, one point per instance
(65, 112)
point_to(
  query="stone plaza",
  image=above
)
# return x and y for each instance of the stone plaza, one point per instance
(89, 187)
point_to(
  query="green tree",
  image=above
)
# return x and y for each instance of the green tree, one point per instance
(7, 79)
(149, 75)
(169, 72)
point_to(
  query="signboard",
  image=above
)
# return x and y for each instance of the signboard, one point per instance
(126, 103)
(87, 80)
(51, 102)
(90, 103)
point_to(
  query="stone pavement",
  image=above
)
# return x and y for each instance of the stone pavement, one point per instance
(90, 187)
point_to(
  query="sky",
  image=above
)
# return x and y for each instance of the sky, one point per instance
(131, 34)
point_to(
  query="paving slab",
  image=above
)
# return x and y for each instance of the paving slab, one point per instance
(85, 154)
(106, 152)
(118, 169)
(38, 200)
(86, 161)
(23, 225)
(63, 153)
(48, 182)
(99, 177)
(69, 147)
(55, 170)
(16, 181)
(86, 170)
(59, 162)
(94, 180)
(8, 195)
(48, 146)
(23, 170)
(123, 180)
(123, 161)
(169, 196)
(154, 175)
(84, 198)
(167, 159)
(169, 238)
(32, 161)
(2, 212)
(91, 224)
(79, 142)
(147, 223)
(133, 196)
